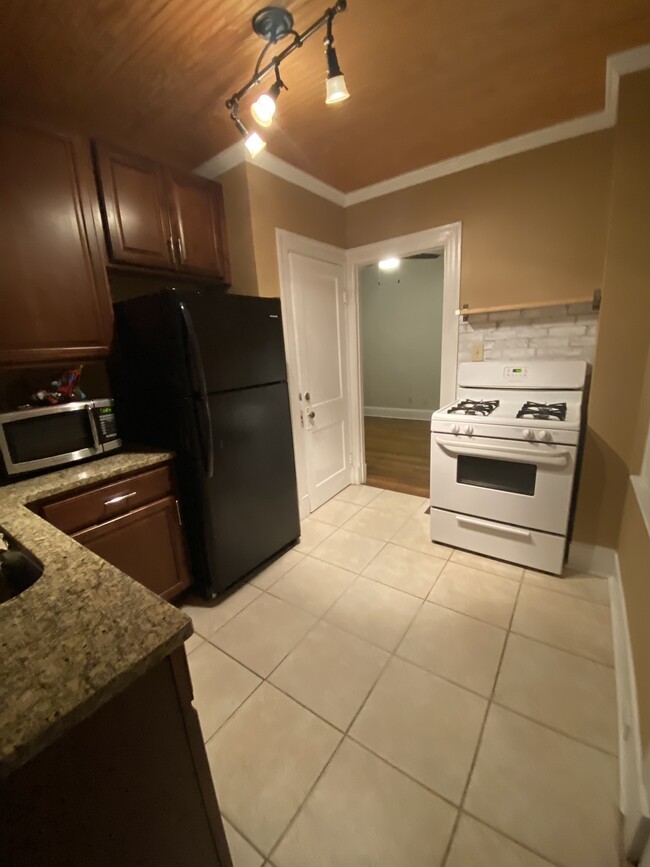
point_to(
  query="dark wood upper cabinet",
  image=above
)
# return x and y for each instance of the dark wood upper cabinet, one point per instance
(135, 207)
(55, 302)
(161, 218)
(197, 208)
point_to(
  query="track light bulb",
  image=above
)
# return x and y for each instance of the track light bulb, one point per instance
(336, 91)
(254, 143)
(263, 109)
(335, 87)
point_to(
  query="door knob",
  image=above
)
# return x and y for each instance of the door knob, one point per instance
(307, 396)
(311, 414)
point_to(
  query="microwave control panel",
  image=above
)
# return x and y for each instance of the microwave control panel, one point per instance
(106, 423)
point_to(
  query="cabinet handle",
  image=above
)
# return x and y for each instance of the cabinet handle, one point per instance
(172, 251)
(178, 512)
(181, 250)
(119, 498)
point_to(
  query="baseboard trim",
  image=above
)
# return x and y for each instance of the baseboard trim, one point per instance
(593, 559)
(633, 793)
(397, 412)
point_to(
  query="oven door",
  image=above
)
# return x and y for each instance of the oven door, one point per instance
(47, 437)
(526, 484)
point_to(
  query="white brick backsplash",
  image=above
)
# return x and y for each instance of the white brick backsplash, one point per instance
(503, 315)
(586, 340)
(548, 313)
(567, 330)
(549, 342)
(560, 352)
(584, 308)
(564, 331)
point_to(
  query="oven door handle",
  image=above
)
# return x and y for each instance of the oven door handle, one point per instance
(507, 453)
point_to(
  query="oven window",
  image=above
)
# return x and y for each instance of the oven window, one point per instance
(511, 476)
(44, 436)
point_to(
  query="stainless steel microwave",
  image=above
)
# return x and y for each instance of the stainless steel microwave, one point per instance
(43, 438)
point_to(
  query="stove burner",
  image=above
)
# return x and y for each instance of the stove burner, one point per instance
(474, 407)
(543, 411)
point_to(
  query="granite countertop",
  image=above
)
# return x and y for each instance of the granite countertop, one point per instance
(84, 631)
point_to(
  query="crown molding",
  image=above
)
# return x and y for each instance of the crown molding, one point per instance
(622, 63)
(237, 154)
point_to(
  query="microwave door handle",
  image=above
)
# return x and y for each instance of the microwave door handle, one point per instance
(90, 409)
(200, 397)
(504, 453)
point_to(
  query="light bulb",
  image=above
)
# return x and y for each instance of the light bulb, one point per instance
(255, 144)
(263, 109)
(336, 90)
(391, 264)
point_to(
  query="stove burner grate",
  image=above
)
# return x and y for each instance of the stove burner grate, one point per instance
(543, 411)
(474, 407)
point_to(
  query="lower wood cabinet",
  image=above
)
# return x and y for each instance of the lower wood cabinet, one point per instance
(146, 544)
(129, 786)
(134, 523)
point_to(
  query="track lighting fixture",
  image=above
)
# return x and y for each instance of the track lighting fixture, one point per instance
(336, 90)
(274, 23)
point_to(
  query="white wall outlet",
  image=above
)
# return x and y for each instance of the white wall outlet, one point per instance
(477, 351)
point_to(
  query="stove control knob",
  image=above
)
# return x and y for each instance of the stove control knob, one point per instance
(545, 435)
(528, 434)
(455, 428)
(469, 430)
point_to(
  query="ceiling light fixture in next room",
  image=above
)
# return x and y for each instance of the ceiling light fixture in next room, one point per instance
(391, 264)
(274, 23)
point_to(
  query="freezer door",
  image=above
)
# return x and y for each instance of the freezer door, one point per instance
(239, 338)
(252, 493)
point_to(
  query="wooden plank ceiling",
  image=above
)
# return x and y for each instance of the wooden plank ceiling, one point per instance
(429, 79)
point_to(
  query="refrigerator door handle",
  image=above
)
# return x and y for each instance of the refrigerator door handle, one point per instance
(200, 397)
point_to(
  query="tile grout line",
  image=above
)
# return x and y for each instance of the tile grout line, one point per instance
(345, 734)
(480, 737)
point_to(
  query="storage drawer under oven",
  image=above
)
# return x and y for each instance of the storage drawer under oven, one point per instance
(524, 483)
(108, 501)
(530, 548)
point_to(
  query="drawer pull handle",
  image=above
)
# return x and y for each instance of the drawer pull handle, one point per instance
(119, 498)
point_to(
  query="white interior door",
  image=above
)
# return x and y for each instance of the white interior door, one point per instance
(320, 321)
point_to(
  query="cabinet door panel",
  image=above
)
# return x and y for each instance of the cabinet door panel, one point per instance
(146, 544)
(54, 293)
(197, 211)
(136, 209)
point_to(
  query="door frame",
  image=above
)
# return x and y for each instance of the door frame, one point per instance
(447, 238)
(287, 243)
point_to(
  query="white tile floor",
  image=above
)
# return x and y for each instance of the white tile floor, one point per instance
(375, 700)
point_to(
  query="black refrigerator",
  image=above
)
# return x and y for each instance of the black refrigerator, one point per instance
(204, 374)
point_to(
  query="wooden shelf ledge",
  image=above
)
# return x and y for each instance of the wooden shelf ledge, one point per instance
(594, 300)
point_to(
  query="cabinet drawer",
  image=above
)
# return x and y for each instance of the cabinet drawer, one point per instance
(109, 501)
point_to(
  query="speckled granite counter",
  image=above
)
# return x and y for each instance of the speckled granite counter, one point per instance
(84, 631)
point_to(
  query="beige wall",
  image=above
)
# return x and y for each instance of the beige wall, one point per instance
(624, 330)
(240, 231)
(533, 224)
(277, 204)
(608, 511)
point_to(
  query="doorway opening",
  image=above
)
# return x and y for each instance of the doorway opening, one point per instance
(401, 323)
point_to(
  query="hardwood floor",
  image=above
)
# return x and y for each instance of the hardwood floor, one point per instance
(397, 454)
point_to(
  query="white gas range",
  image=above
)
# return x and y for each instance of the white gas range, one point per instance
(504, 458)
